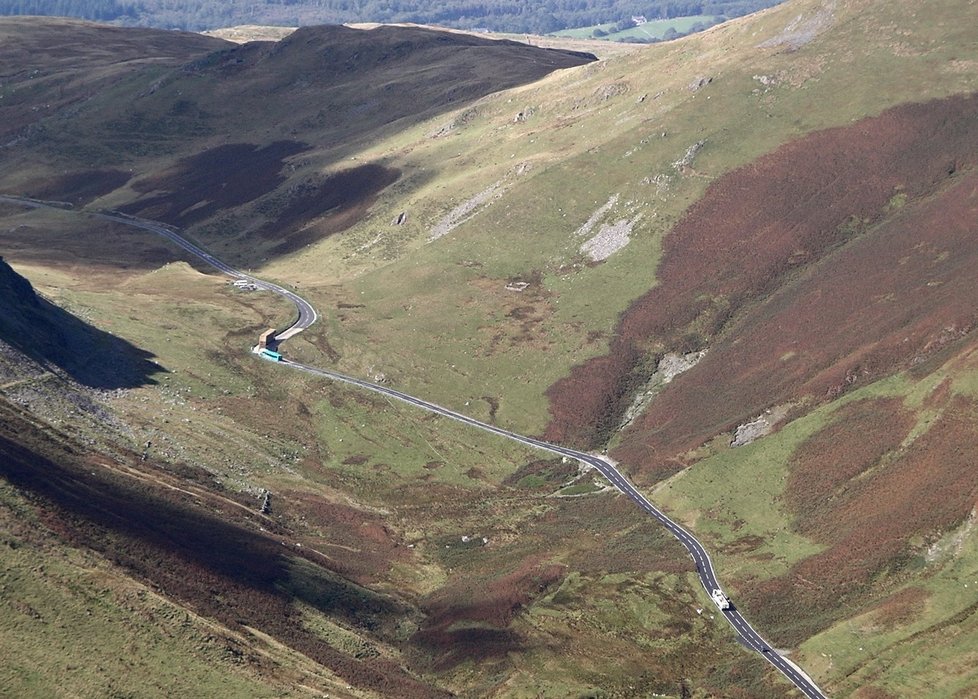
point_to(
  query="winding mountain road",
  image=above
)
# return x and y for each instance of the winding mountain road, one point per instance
(607, 467)
(307, 314)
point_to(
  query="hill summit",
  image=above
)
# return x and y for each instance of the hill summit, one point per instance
(324, 85)
(741, 262)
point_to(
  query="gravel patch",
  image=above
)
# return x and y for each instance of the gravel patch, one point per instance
(610, 239)
(802, 30)
(466, 210)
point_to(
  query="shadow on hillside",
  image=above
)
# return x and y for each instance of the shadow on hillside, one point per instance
(144, 527)
(76, 188)
(212, 564)
(206, 183)
(314, 98)
(54, 337)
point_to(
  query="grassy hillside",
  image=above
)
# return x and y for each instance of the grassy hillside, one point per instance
(382, 493)
(524, 236)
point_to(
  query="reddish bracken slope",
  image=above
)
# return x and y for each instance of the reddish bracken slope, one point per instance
(881, 303)
(869, 524)
(840, 256)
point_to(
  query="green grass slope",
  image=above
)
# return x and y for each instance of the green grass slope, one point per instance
(647, 32)
(449, 230)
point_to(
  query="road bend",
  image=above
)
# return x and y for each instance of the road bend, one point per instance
(306, 313)
(604, 465)
(609, 469)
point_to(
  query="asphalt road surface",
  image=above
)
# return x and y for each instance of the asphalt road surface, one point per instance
(607, 467)
(307, 314)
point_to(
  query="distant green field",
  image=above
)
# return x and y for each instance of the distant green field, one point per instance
(654, 29)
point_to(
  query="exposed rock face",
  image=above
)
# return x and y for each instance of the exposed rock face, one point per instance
(687, 160)
(803, 29)
(759, 427)
(673, 364)
(610, 239)
(670, 366)
(466, 210)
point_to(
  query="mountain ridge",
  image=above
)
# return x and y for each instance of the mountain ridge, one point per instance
(792, 192)
(51, 336)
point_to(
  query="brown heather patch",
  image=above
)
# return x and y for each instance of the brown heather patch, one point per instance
(360, 544)
(743, 544)
(873, 693)
(858, 437)
(517, 317)
(758, 228)
(550, 472)
(900, 609)
(469, 619)
(940, 395)
(930, 489)
(611, 536)
(870, 525)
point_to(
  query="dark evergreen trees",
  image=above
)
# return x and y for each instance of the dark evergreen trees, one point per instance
(105, 10)
(516, 16)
